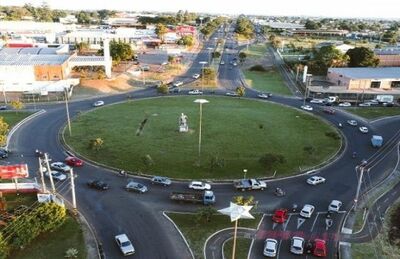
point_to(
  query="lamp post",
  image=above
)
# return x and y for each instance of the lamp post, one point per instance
(308, 80)
(359, 187)
(244, 173)
(202, 63)
(200, 101)
(67, 109)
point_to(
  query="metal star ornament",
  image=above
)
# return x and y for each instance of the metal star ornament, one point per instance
(237, 212)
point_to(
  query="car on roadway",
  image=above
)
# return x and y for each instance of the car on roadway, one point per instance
(174, 90)
(352, 122)
(60, 166)
(3, 107)
(315, 180)
(195, 92)
(3, 153)
(177, 83)
(56, 175)
(345, 104)
(136, 187)
(297, 245)
(363, 129)
(196, 76)
(270, 247)
(307, 211)
(165, 181)
(124, 244)
(73, 161)
(222, 62)
(329, 111)
(97, 184)
(364, 104)
(98, 103)
(234, 64)
(197, 185)
(233, 94)
(334, 206)
(319, 248)
(280, 216)
(317, 101)
(307, 107)
(264, 95)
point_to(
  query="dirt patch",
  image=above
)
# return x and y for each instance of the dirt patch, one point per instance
(121, 83)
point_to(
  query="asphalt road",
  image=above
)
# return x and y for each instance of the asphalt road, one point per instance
(140, 216)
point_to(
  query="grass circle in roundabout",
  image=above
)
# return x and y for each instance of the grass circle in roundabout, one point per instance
(237, 134)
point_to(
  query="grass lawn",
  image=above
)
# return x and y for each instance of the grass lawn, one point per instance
(54, 244)
(256, 51)
(12, 117)
(236, 133)
(375, 112)
(269, 81)
(242, 248)
(196, 233)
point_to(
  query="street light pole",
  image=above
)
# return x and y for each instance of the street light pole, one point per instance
(202, 63)
(358, 187)
(67, 108)
(308, 79)
(244, 173)
(200, 101)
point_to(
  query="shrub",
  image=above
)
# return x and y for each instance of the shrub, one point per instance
(163, 89)
(258, 68)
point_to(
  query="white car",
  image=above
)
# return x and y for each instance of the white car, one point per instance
(335, 206)
(363, 129)
(222, 62)
(124, 244)
(177, 83)
(60, 166)
(318, 101)
(297, 245)
(307, 107)
(196, 76)
(316, 180)
(195, 92)
(352, 122)
(270, 247)
(196, 185)
(345, 104)
(56, 175)
(232, 94)
(307, 211)
(98, 103)
(364, 104)
(264, 95)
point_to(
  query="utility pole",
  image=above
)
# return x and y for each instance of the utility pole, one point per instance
(66, 107)
(73, 192)
(53, 188)
(358, 187)
(41, 176)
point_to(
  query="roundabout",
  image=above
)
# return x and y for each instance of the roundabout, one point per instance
(262, 137)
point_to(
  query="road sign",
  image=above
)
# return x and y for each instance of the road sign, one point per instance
(14, 171)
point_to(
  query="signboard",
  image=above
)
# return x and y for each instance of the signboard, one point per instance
(44, 197)
(14, 171)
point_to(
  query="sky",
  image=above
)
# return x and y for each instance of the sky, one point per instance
(320, 8)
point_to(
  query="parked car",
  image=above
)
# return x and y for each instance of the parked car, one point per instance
(136, 187)
(196, 76)
(329, 111)
(270, 247)
(195, 92)
(280, 215)
(60, 166)
(233, 94)
(73, 161)
(297, 245)
(197, 185)
(314, 180)
(3, 153)
(264, 95)
(124, 244)
(3, 107)
(345, 104)
(177, 83)
(334, 206)
(307, 211)
(317, 101)
(161, 180)
(363, 129)
(307, 107)
(364, 104)
(352, 122)
(98, 103)
(58, 176)
(319, 248)
(174, 90)
(97, 184)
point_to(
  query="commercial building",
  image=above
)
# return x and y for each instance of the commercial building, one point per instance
(388, 57)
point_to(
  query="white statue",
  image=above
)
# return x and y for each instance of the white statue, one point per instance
(183, 126)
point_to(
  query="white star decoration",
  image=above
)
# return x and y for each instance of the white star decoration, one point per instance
(237, 212)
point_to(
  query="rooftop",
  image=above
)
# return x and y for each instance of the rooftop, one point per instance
(368, 72)
(29, 60)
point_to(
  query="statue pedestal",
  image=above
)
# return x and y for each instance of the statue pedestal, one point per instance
(183, 128)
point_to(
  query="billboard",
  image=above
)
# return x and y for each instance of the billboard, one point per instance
(14, 171)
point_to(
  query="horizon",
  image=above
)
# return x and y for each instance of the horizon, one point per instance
(367, 8)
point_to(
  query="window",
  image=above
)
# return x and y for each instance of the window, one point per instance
(395, 84)
(375, 84)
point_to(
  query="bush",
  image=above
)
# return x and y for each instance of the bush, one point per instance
(258, 68)
(163, 89)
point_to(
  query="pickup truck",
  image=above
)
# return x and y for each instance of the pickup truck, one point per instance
(249, 184)
(195, 92)
(206, 197)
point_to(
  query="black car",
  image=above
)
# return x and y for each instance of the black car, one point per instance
(3, 153)
(99, 185)
(3, 107)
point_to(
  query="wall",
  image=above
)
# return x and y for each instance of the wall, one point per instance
(48, 73)
(389, 60)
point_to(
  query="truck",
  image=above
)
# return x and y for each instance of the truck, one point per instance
(206, 197)
(384, 98)
(250, 184)
(376, 141)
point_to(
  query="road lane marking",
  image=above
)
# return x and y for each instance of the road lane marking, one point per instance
(315, 220)
(300, 222)
(286, 223)
(279, 248)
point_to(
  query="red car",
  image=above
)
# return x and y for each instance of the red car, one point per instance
(319, 248)
(73, 161)
(280, 215)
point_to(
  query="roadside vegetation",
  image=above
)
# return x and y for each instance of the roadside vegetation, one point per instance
(269, 80)
(242, 248)
(375, 112)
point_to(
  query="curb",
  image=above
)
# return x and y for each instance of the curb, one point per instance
(179, 231)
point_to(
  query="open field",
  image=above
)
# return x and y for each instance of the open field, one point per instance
(375, 112)
(269, 81)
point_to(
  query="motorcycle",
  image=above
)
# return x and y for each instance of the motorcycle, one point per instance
(279, 192)
(340, 125)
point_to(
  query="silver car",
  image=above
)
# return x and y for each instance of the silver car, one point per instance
(270, 247)
(297, 245)
(136, 187)
(124, 244)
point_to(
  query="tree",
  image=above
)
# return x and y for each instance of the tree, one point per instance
(209, 74)
(244, 27)
(205, 213)
(4, 248)
(171, 59)
(163, 89)
(326, 57)
(270, 159)
(187, 40)
(3, 131)
(161, 30)
(119, 51)
(83, 17)
(96, 144)
(17, 105)
(216, 54)
(242, 57)
(240, 91)
(312, 25)
(362, 57)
